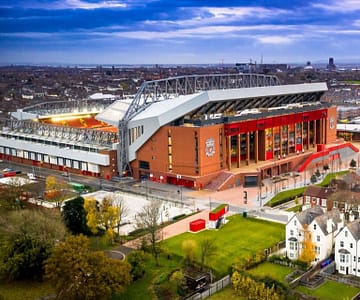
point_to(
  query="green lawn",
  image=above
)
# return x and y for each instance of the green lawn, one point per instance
(24, 290)
(274, 271)
(331, 290)
(239, 238)
(227, 293)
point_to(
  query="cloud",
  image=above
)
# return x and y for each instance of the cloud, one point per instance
(339, 6)
(278, 39)
(78, 4)
(224, 15)
(68, 4)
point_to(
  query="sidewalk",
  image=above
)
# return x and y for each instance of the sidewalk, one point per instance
(173, 229)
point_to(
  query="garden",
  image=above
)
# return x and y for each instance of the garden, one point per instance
(238, 241)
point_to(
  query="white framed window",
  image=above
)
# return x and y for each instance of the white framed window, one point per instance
(341, 243)
(318, 238)
(291, 245)
(342, 258)
(291, 232)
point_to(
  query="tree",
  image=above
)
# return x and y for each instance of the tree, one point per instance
(74, 216)
(10, 194)
(119, 202)
(102, 215)
(137, 261)
(307, 254)
(326, 167)
(55, 190)
(353, 163)
(148, 219)
(207, 249)
(189, 250)
(27, 240)
(313, 178)
(78, 273)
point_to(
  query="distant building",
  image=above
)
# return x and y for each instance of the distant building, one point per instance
(331, 65)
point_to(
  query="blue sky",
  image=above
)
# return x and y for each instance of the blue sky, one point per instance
(178, 31)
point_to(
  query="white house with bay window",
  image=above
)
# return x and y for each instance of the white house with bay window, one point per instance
(347, 249)
(322, 226)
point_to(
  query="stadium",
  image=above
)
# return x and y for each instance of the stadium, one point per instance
(198, 131)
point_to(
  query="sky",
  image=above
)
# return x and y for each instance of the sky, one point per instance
(178, 31)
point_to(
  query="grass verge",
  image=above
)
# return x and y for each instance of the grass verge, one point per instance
(331, 290)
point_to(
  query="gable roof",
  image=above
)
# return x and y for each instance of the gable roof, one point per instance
(308, 215)
(319, 192)
(351, 178)
(333, 215)
(354, 228)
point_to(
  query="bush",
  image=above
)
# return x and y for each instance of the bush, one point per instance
(137, 261)
(179, 217)
(138, 232)
(286, 196)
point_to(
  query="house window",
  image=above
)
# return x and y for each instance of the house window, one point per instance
(351, 245)
(291, 255)
(314, 226)
(291, 232)
(317, 250)
(354, 258)
(345, 233)
(359, 259)
(341, 244)
(342, 258)
(295, 222)
(318, 238)
(342, 268)
(291, 246)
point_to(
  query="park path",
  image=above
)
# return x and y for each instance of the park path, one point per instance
(173, 229)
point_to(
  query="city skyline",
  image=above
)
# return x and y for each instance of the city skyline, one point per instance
(178, 32)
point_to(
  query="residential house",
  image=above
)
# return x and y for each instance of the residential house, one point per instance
(347, 249)
(319, 225)
(316, 196)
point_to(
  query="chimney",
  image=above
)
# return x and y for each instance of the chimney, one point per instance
(329, 223)
(342, 220)
(351, 216)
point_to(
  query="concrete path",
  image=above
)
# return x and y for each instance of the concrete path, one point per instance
(173, 229)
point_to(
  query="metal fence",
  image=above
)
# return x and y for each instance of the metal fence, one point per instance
(214, 287)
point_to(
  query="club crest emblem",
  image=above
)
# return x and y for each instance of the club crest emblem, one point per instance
(210, 147)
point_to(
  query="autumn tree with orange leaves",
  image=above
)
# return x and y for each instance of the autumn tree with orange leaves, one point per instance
(308, 247)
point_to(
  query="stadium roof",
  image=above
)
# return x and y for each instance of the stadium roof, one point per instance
(161, 113)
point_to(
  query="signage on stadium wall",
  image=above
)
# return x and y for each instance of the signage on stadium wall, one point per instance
(332, 123)
(210, 147)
